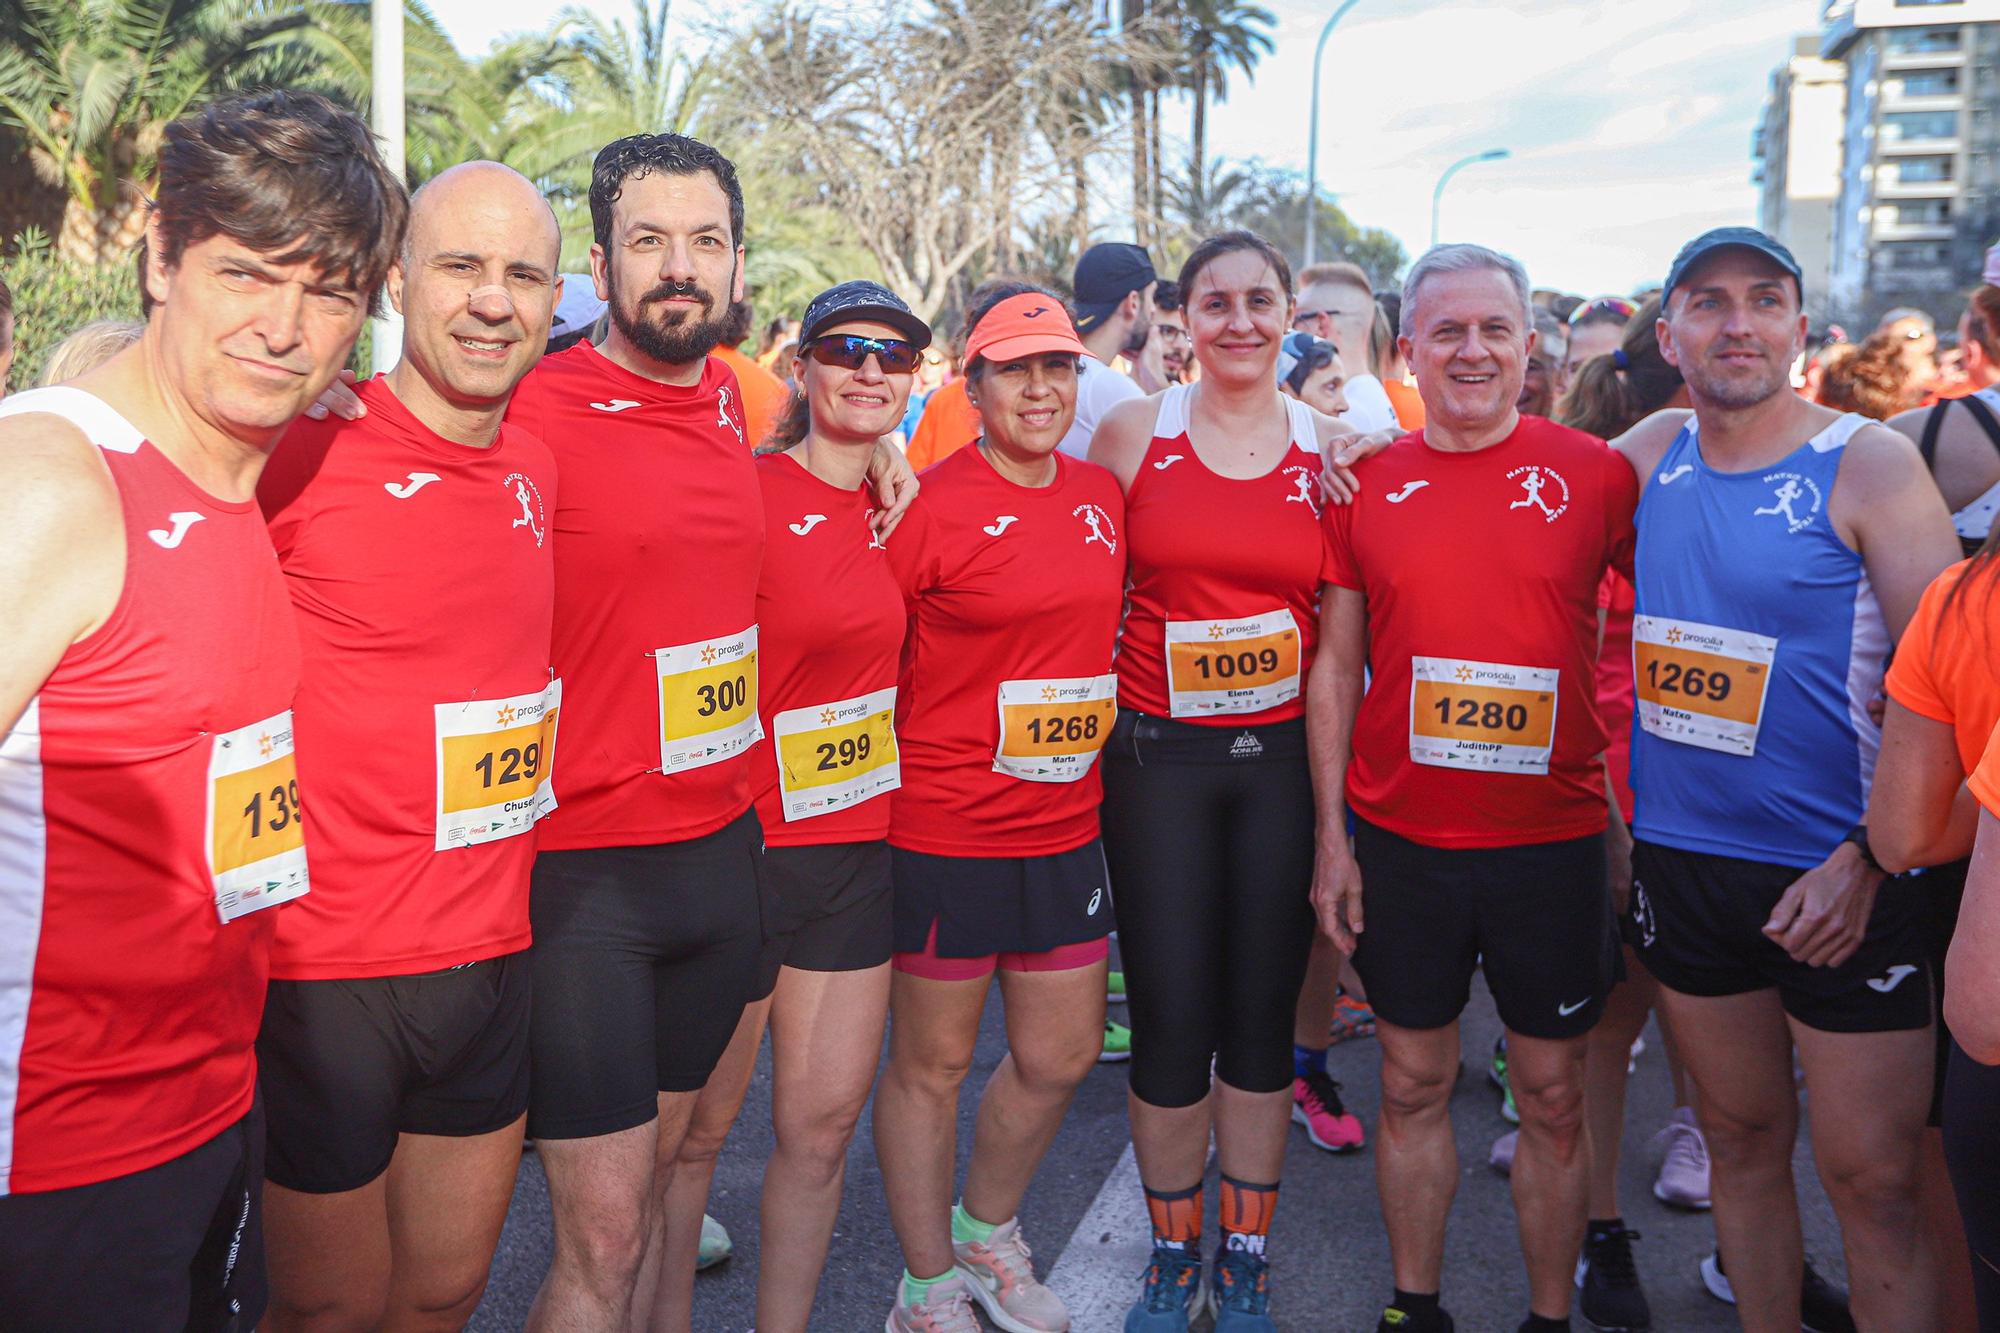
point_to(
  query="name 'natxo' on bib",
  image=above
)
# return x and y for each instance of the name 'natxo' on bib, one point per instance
(708, 700)
(1482, 715)
(1701, 684)
(832, 756)
(496, 761)
(257, 842)
(1051, 730)
(1232, 666)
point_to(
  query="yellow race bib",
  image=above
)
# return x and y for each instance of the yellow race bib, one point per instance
(708, 700)
(495, 760)
(1482, 715)
(257, 844)
(832, 756)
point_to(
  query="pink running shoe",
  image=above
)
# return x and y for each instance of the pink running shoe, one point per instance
(1001, 1276)
(1683, 1178)
(1316, 1105)
(948, 1309)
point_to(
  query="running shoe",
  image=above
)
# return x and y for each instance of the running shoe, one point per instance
(1822, 1305)
(1330, 1125)
(1114, 987)
(1242, 1292)
(1394, 1320)
(1501, 1158)
(1611, 1298)
(1001, 1276)
(1498, 1076)
(948, 1309)
(716, 1247)
(1683, 1178)
(1351, 1019)
(1171, 1294)
(1117, 1043)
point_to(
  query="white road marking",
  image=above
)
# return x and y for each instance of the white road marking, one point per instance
(1097, 1274)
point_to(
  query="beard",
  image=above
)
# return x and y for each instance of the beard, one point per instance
(1736, 394)
(676, 337)
(1135, 341)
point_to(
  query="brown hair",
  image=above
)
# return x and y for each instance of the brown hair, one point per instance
(1872, 380)
(1335, 270)
(1607, 399)
(1228, 243)
(1982, 319)
(288, 174)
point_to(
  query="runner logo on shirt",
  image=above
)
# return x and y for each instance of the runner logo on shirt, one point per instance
(1543, 488)
(723, 415)
(1100, 527)
(1302, 479)
(530, 499)
(1791, 494)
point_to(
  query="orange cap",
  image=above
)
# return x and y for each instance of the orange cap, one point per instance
(1022, 326)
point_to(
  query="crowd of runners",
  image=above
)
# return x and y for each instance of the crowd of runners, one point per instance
(499, 748)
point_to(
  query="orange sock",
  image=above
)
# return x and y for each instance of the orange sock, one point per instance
(1246, 1214)
(1176, 1218)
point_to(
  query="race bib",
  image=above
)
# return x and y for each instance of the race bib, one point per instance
(708, 700)
(1482, 715)
(256, 846)
(1051, 730)
(1701, 684)
(831, 756)
(495, 757)
(1232, 666)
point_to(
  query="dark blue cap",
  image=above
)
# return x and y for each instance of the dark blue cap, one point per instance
(853, 302)
(1725, 238)
(1108, 273)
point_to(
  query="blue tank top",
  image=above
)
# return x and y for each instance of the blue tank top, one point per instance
(1758, 645)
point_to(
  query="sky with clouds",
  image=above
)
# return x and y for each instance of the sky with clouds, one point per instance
(1629, 122)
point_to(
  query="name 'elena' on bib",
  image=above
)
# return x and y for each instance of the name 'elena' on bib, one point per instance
(496, 761)
(832, 756)
(1482, 715)
(1232, 666)
(1701, 684)
(708, 700)
(1051, 730)
(257, 843)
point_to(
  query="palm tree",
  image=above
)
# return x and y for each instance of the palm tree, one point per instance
(92, 84)
(1217, 35)
(1207, 205)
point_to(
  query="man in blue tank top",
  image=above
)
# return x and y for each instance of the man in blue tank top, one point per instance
(1782, 548)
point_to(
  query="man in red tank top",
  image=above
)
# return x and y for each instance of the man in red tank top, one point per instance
(395, 1037)
(149, 801)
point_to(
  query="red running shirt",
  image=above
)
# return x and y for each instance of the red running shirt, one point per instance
(658, 538)
(424, 580)
(1617, 693)
(831, 619)
(1231, 571)
(128, 1008)
(1481, 572)
(1004, 583)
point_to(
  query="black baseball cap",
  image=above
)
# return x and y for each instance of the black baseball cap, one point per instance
(1725, 238)
(849, 302)
(1105, 276)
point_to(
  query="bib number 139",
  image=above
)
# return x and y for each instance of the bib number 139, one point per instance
(257, 850)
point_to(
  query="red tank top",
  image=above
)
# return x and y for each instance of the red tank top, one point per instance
(830, 617)
(658, 538)
(1014, 594)
(1224, 606)
(424, 581)
(152, 766)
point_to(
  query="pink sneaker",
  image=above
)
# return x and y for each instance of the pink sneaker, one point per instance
(1001, 1276)
(1316, 1105)
(948, 1309)
(1683, 1178)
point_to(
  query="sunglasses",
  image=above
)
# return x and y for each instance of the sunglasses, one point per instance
(850, 351)
(1604, 305)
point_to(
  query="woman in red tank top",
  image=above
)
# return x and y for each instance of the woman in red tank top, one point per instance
(1208, 811)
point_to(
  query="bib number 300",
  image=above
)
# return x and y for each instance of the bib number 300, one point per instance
(495, 758)
(708, 700)
(257, 845)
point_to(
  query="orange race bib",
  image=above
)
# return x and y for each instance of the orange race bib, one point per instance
(257, 844)
(1051, 730)
(495, 760)
(708, 700)
(831, 756)
(1232, 666)
(1482, 715)
(1701, 684)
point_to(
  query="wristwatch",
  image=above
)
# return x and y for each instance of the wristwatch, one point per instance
(1858, 835)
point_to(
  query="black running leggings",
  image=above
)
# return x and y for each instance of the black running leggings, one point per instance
(1972, 1155)
(1208, 832)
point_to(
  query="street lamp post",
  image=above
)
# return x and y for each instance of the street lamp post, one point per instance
(1437, 195)
(1312, 136)
(385, 115)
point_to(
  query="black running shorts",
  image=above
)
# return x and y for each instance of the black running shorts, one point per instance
(826, 909)
(1701, 919)
(644, 958)
(176, 1246)
(349, 1066)
(1536, 918)
(985, 905)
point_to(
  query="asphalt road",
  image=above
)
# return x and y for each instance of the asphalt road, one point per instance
(1330, 1255)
